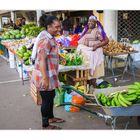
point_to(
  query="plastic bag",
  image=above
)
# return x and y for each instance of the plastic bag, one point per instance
(73, 98)
(59, 97)
(64, 41)
(74, 40)
(67, 99)
(104, 84)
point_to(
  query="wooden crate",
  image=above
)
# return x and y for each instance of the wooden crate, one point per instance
(35, 94)
(79, 76)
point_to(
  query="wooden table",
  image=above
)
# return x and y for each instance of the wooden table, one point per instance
(16, 58)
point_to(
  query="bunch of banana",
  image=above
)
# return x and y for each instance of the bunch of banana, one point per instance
(123, 98)
(79, 88)
(82, 89)
(76, 86)
(134, 89)
(63, 55)
(63, 77)
(119, 99)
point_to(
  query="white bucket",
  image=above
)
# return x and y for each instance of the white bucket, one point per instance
(25, 75)
(12, 64)
(11, 55)
(11, 60)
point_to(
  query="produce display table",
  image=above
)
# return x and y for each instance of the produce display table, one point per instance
(12, 46)
(12, 50)
(128, 62)
(8, 47)
(72, 68)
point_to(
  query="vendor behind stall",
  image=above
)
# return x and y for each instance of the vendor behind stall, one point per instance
(66, 26)
(92, 39)
(19, 23)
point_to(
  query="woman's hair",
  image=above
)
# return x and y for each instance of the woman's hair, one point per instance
(46, 20)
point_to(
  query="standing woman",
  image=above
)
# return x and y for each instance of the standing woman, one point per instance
(45, 74)
(92, 39)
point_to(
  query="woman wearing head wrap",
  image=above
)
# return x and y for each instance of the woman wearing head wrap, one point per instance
(91, 41)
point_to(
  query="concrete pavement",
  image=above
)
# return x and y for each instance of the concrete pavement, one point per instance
(18, 111)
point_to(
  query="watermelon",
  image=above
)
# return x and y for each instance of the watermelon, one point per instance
(27, 62)
(19, 54)
(29, 52)
(25, 58)
(11, 36)
(23, 50)
(26, 55)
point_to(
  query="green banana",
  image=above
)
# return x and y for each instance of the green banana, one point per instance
(137, 84)
(99, 96)
(130, 97)
(135, 87)
(108, 103)
(113, 103)
(138, 93)
(138, 97)
(131, 91)
(112, 94)
(116, 100)
(65, 77)
(121, 98)
(103, 99)
(122, 103)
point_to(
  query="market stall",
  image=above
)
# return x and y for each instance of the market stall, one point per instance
(73, 67)
(115, 49)
(73, 70)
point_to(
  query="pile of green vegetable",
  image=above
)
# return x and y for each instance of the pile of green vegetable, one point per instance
(25, 54)
(73, 59)
(13, 34)
(31, 29)
(123, 98)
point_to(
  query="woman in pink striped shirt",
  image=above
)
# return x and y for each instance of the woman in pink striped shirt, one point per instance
(45, 74)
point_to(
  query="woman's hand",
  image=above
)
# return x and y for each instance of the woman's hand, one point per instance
(95, 48)
(86, 42)
(45, 83)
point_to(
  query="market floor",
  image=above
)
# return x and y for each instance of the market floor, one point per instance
(18, 111)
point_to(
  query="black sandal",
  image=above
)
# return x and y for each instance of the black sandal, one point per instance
(51, 127)
(56, 120)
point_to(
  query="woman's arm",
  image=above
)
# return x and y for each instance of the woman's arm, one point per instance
(103, 43)
(42, 56)
(42, 65)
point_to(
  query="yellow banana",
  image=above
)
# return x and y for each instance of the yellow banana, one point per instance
(77, 84)
(82, 87)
